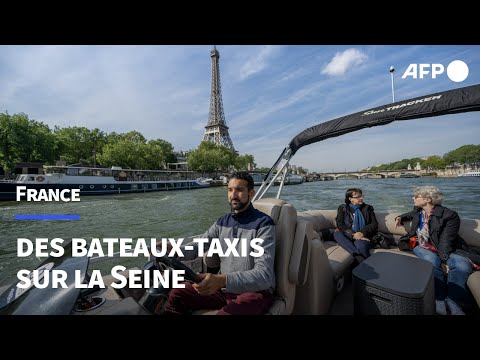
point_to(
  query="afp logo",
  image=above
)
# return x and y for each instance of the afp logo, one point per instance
(457, 71)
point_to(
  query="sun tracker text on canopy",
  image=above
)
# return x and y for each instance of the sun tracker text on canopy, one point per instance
(460, 100)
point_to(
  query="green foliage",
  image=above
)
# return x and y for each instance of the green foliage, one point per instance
(398, 165)
(77, 144)
(242, 162)
(434, 163)
(158, 154)
(262, 170)
(24, 140)
(123, 153)
(466, 154)
(130, 149)
(134, 137)
(133, 151)
(209, 157)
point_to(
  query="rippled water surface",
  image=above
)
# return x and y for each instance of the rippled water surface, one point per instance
(191, 212)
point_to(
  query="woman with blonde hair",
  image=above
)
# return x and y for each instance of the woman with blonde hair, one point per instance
(434, 237)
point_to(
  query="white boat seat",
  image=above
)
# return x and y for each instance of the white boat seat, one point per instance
(304, 278)
(340, 259)
(284, 216)
(316, 294)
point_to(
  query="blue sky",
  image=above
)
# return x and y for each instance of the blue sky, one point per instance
(270, 94)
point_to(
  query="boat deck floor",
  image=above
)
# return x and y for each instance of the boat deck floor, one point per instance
(343, 302)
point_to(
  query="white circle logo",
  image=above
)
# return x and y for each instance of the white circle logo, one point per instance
(457, 71)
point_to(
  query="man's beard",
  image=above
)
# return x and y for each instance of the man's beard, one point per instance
(239, 205)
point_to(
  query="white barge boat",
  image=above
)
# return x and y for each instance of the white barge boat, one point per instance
(101, 181)
(470, 174)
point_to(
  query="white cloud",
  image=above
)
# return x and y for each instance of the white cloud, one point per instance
(342, 61)
(297, 73)
(259, 111)
(258, 63)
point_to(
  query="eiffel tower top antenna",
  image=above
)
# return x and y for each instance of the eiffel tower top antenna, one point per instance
(217, 129)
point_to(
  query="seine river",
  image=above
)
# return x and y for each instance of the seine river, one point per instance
(190, 212)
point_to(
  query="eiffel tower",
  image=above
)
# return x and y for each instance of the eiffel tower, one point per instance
(216, 129)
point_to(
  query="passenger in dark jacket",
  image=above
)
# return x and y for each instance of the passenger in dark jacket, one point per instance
(434, 237)
(356, 225)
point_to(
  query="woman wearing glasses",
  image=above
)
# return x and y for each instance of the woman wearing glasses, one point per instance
(434, 237)
(356, 225)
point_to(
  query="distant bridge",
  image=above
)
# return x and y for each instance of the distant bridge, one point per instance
(383, 174)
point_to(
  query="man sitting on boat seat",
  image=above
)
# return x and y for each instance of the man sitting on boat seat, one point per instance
(434, 237)
(245, 284)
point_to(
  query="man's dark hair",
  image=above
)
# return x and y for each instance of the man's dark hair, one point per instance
(349, 194)
(243, 175)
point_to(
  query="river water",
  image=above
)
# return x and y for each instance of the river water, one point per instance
(185, 213)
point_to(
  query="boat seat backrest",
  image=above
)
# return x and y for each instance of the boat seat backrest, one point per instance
(386, 224)
(317, 290)
(287, 271)
(470, 231)
(326, 219)
(320, 219)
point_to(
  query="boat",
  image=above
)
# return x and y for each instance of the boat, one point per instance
(314, 276)
(101, 181)
(408, 176)
(257, 178)
(470, 174)
(203, 180)
(291, 179)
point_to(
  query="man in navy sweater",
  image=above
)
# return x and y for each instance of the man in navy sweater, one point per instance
(245, 283)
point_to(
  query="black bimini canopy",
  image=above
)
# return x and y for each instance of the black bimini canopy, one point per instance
(447, 102)
(442, 103)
